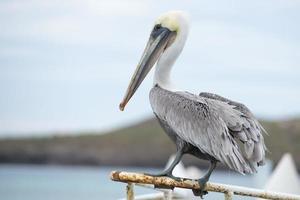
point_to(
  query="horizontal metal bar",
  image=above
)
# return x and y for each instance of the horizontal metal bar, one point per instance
(166, 182)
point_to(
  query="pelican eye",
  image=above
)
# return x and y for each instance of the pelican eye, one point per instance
(157, 27)
(156, 30)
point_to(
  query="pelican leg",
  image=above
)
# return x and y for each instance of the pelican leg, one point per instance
(168, 172)
(202, 181)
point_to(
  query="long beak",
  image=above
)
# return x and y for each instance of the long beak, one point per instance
(157, 43)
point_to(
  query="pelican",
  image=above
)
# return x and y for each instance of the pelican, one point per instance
(207, 125)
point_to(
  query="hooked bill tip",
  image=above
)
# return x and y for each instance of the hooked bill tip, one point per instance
(121, 106)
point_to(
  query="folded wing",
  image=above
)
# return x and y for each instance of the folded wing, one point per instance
(242, 125)
(202, 122)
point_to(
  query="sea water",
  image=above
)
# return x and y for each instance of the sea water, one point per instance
(47, 182)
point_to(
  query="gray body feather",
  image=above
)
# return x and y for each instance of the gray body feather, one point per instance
(208, 125)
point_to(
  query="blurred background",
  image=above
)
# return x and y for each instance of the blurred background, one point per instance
(65, 66)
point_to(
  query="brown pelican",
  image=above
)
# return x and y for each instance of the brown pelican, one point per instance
(207, 125)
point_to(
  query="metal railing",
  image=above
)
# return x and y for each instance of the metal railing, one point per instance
(168, 183)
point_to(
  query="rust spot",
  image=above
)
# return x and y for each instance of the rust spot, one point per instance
(163, 186)
(115, 175)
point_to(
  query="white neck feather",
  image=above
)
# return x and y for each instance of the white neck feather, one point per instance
(167, 59)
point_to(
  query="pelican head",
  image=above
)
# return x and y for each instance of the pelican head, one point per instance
(165, 43)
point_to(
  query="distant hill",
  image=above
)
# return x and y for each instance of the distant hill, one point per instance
(142, 144)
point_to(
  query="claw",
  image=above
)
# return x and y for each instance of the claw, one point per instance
(201, 192)
(156, 175)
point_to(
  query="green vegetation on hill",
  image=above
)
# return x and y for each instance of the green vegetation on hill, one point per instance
(143, 144)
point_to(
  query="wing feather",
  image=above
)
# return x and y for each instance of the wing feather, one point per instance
(247, 128)
(196, 121)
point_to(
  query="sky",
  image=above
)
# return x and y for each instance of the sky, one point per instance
(65, 65)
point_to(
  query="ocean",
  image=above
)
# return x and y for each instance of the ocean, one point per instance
(50, 182)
